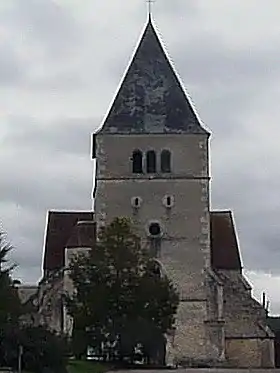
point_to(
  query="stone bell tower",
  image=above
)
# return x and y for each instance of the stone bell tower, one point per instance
(152, 166)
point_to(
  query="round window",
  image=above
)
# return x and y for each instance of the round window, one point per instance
(154, 229)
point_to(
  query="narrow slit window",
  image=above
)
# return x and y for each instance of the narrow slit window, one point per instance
(168, 201)
(151, 162)
(137, 162)
(165, 161)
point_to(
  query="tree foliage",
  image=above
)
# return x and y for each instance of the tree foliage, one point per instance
(120, 299)
(9, 304)
(41, 349)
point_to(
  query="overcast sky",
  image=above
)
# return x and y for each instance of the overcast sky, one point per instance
(61, 63)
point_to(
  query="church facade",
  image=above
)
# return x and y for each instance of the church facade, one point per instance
(152, 156)
(153, 166)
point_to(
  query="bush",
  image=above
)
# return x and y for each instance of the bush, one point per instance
(42, 350)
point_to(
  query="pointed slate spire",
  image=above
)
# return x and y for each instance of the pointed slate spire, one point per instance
(151, 98)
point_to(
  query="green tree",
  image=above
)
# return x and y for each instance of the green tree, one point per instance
(10, 308)
(9, 304)
(119, 294)
(41, 348)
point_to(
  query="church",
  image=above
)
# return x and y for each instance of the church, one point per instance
(152, 156)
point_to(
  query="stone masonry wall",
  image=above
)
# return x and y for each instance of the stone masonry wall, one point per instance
(249, 341)
(184, 246)
(248, 353)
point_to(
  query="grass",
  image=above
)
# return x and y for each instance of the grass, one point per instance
(75, 366)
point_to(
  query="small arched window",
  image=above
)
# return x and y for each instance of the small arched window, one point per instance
(151, 162)
(137, 162)
(165, 161)
(137, 202)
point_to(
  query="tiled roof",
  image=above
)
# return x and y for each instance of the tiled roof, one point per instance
(77, 229)
(224, 245)
(83, 235)
(60, 227)
(151, 98)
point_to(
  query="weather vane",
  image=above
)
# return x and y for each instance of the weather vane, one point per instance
(150, 2)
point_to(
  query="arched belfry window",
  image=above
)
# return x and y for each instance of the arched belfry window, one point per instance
(151, 159)
(137, 162)
(165, 161)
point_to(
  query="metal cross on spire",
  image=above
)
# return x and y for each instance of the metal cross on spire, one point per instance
(150, 2)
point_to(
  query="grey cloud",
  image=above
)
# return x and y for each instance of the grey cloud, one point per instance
(216, 63)
(175, 9)
(25, 230)
(244, 167)
(28, 275)
(48, 182)
(59, 81)
(222, 71)
(72, 136)
(40, 42)
(34, 179)
(11, 71)
(47, 22)
(45, 168)
(248, 189)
